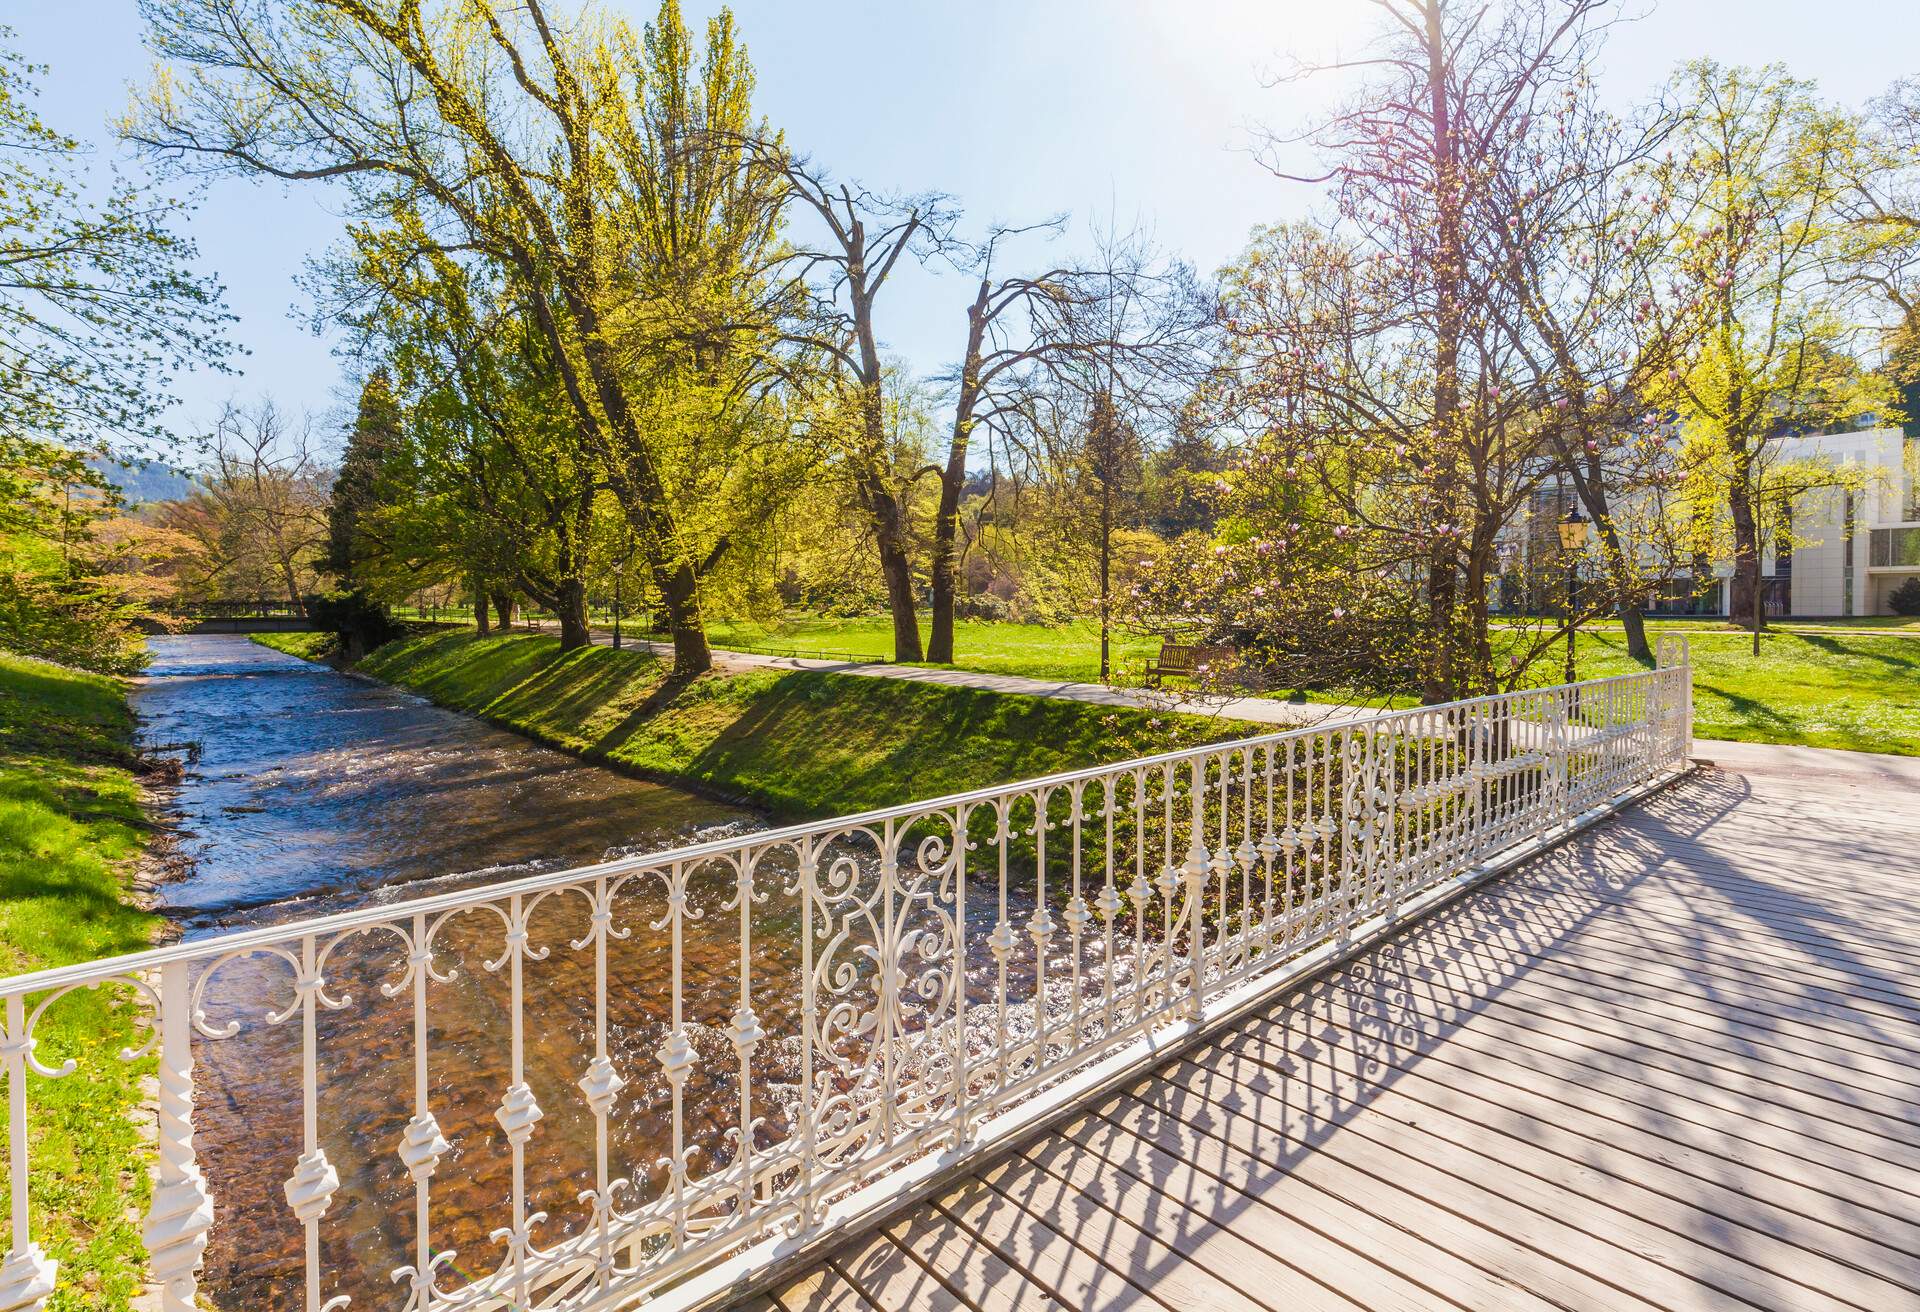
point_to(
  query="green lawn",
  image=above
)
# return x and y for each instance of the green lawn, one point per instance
(70, 831)
(1069, 652)
(1854, 688)
(801, 743)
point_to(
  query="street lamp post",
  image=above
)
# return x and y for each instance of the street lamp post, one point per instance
(1573, 537)
(616, 610)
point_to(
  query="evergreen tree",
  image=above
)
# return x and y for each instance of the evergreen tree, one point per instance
(375, 439)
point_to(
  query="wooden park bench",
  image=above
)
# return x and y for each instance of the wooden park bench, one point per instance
(1183, 661)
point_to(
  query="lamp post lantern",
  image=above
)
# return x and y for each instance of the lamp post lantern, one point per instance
(1573, 537)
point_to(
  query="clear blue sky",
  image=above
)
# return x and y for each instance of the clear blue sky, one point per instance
(1021, 108)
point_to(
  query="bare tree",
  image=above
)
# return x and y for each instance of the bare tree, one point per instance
(862, 241)
(263, 502)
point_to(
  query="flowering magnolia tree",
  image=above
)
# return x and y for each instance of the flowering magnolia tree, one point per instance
(1381, 356)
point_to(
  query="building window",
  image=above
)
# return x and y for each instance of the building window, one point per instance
(1893, 547)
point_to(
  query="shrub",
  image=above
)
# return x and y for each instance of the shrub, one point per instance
(1905, 599)
(362, 623)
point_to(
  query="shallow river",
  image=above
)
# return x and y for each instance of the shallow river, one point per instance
(310, 791)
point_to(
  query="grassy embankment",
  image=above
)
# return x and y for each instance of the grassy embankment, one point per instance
(801, 744)
(70, 830)
(307, 646)
(1851, 684)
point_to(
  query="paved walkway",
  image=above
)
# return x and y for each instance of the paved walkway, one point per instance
(1672, 1065)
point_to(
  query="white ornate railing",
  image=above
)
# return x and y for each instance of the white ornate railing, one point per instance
(738, 1044)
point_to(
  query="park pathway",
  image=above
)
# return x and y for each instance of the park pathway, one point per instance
(1256, 710)
(1668, 1065)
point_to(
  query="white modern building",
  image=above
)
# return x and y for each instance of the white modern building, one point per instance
(1855, 547)
(1850, 548)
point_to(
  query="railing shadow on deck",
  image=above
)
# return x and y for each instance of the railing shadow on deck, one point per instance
(1386, 1050)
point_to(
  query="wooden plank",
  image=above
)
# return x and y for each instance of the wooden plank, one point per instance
(1132, 1158)
(824, 1289)
(1830, 1010)
(1863, 1139)
(1471, 1061)
(1792, 1231)
(1046, 1258)
(1273, 1168)
(1199, 1244)
(887, 1274)
(1435, 989)
(1669, 1269)
(1514, 972)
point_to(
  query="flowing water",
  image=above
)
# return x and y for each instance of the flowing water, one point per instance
(310, 791)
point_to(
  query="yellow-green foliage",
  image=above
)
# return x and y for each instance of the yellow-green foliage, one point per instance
(801, 743)
(70, 828)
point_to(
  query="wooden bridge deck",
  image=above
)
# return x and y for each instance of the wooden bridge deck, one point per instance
(1675, 1064)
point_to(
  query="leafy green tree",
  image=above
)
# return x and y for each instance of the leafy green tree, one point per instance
(1758, 170)
(613, 178)
(98, 303)
(98, 309)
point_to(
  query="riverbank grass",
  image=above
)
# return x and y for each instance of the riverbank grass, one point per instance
(307, 646)
(70, 830)
(800, 743)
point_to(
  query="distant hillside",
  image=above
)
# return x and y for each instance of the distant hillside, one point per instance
(146, 481)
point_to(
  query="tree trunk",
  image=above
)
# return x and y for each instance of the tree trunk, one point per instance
(946, 519)
(1591, 488)
(946, 525)
(680, 598)
(481, 622)
(1744, 602)
(1106, 581)
(574, 632)
(889, 534)
(1440, 679)
(1635, 625)
(503, 610)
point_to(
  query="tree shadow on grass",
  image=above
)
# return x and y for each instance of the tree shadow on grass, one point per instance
(1905, 663)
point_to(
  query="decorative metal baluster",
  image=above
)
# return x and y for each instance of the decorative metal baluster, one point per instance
(746, 1032)
(962, 814)
(1108, 905)
(1003, 940)
(312, 1186)
(1169, 885)
(181, 1210)
(1077, 914)
(676, 1053)
(1040, 926)
(1220, 864)
(1196, 871)
(1141, 894)
(806, 881)
(518, 1111)
(421, 1146)
(1246, 854)
(1289, 840)
(600, 1086)
(887, 963)
(1269, 847)
(28, 1275)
